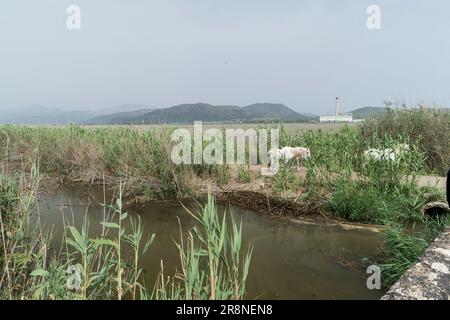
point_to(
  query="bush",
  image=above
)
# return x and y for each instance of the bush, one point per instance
(363, 202)
(354, 203)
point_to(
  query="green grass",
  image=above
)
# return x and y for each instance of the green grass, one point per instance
(284, 181)
(404, 246)
(209, 245)
(244, 174)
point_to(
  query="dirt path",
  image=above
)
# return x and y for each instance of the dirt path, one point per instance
(433, 181)
(422, 181)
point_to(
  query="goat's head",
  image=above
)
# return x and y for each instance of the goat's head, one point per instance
(307, 154)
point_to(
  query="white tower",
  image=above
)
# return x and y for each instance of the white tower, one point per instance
(337, 106)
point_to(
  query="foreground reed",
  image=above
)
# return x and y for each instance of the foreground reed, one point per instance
(209, 245)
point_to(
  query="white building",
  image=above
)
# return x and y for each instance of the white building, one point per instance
(336, 117)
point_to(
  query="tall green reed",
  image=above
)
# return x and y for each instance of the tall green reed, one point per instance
(212, 265)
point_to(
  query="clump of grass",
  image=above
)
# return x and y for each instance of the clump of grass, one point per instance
(285, 180)
(401, 251)
(244, 174)
(361, 202)
(355, 203)
(212, 266)
(405, 246)
(18, 249)
(221, 173)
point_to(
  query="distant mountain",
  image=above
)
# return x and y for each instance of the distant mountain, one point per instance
(142, 114)
(188, 113)
(310, 115)
(122, 108)
(117, 118)
(271, 111)
(37, 114)
(367, 112)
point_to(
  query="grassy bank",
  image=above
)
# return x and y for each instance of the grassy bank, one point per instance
(339, 181)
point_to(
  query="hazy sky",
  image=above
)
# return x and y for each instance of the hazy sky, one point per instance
(165, 52)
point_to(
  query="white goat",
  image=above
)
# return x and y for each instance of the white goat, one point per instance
(378, 155)
(274, 155)
(389, 154)
(288, 153)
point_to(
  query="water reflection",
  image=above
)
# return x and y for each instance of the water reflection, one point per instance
(290, 261)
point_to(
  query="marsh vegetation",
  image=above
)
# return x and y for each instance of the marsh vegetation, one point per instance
(338, 182)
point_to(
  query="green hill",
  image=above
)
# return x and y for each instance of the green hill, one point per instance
(188, 113)
(367, 112)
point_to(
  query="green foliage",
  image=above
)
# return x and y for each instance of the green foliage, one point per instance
(8, 196)
(355, 203)
(285, 180)
(358, 201)
(211, 262)
(382, 192)
(405, 246)
(427, 129)
(244, 174)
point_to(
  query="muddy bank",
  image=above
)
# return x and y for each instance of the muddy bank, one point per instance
(295, 212)
(263, 202)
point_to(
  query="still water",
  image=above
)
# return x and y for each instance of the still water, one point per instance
(290, 260)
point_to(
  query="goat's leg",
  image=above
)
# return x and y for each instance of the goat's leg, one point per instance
(448, 187)
(298, 164)
(288, 163)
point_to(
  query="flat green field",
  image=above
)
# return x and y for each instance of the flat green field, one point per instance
(290, 127)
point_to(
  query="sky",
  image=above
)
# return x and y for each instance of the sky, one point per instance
(165, 52)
